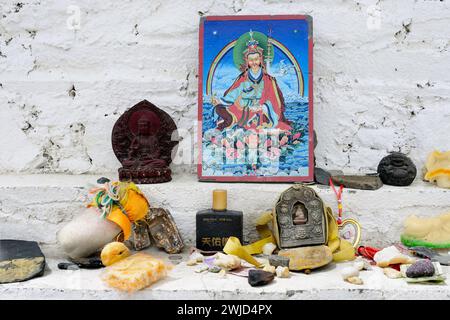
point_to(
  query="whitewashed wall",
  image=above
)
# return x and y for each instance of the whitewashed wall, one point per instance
(381, 76)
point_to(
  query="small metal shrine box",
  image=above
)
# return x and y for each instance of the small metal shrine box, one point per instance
(300, 218)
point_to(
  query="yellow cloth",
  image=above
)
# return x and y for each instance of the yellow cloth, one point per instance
(342, 249)
(437, 172)
(438, 168)
(234, 246)
(116, 215)
(136, 207)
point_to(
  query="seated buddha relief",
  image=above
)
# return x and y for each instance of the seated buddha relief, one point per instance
(144, 149)
(300, 214)
(142, 141)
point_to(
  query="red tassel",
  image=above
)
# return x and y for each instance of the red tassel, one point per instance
(367, 252)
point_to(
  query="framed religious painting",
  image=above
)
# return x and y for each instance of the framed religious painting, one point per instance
(255, 99)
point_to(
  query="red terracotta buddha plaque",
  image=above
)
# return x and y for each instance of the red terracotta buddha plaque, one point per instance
(143, 139)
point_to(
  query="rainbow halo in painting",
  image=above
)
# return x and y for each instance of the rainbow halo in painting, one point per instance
(255, 99)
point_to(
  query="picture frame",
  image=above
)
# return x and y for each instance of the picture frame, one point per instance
(255, 99)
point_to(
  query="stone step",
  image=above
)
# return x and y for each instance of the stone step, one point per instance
(35, 207)
(184, 283)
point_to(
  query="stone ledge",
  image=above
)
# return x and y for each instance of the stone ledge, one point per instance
(35, 207)
(184, 283)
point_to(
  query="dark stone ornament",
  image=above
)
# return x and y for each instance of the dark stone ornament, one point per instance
(428, 253)
(366, 182)
(93, 262)
(276, 261)
(143, 139)
(321, 176)
(397, 169)
(422, 268)
(67, 266)
(20, 260)
(259, 277)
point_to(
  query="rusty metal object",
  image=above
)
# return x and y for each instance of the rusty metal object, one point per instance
(164, 231)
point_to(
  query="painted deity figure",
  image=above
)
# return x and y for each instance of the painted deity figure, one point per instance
(254, 100)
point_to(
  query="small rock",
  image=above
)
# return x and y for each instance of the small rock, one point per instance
(349, 272)
(67, 266)
(335, 172)
(391, 255)
(103, 180)
(423, 252)
(359, 264)
(307, 257)
(431, 254)
(277, 261)
(88, 263)
(268, 248)
(367, 266)
(222, 273)
(201, 268)
(259, 277)
(367, 182)
(175, 258)
(422, 268)
(197, 256)
(214, 269)
(20, 260)
(392, 273)
(269, 268)
(191, 263)
(354, 280)
(322, 176)
(227, 261)
(282, 272)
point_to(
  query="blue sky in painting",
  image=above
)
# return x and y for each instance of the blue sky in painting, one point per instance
(291, 33)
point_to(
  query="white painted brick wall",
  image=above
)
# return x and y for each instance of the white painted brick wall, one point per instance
(380, 85)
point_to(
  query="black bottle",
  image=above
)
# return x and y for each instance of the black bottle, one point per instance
(214, 226)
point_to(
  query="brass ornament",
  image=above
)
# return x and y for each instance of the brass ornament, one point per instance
(300, 218)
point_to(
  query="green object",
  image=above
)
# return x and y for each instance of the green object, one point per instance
(427, 280)
(414, 242)
(241, 46)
